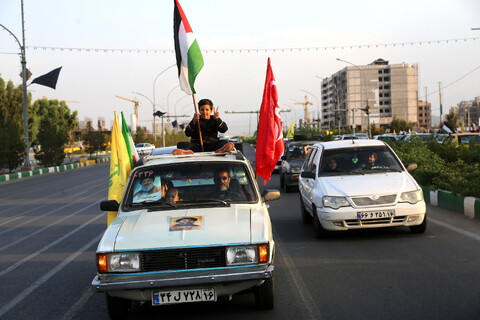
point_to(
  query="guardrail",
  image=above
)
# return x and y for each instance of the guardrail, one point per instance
(468, 206)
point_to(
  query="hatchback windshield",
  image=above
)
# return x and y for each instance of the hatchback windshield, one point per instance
(358, 160)
(188, 184)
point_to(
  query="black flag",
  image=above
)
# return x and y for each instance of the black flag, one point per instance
(48, 79)
(174, 123)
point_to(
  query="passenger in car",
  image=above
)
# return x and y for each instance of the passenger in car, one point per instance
(372, 161)
(166, 184)
(171, 196)
(210, 126)
(226, 187)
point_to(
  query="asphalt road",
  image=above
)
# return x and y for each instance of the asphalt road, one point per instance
(50, 226)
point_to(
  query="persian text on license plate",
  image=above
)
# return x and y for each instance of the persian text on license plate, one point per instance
(183, 296)
(369, 215)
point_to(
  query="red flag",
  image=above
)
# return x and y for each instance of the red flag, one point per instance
(269, 133)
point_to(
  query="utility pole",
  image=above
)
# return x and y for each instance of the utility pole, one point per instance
(440, 98)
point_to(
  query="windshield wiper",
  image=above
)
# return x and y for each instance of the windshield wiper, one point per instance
(226, 204)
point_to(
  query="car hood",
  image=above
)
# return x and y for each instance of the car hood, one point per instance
(149, 230)
(378, 183)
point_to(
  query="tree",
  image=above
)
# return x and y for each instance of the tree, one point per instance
(452, 119)
(93, 141)
(12, 150)
(398, 125)
(52, 137)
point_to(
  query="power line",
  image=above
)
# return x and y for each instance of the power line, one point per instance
(258, 50)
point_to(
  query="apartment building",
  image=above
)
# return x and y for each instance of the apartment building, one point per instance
(385, 90)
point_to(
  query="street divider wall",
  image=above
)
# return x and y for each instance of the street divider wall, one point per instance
(468, 206)
(64, 167)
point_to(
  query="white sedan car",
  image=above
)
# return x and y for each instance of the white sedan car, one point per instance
(144, 148)
(355, 184)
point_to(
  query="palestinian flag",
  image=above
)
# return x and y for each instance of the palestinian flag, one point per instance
(187, 51)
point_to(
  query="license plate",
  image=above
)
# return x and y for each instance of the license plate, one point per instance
(183, 296)
(369, 215)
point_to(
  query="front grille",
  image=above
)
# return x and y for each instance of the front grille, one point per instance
(182, 259)
(368, 201)
(393, 221)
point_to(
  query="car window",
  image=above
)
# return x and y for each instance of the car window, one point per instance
(358, 160)
(195, 185)
(298, 152)
(308, 165)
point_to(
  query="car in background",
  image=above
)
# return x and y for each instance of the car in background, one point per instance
(342, 188)
(291, 163)
(206, 246)
(144, 148)
(386, 137)
(156, 152)
(465, 138)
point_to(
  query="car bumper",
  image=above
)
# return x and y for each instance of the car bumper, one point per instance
(156, 281)
(346, 218)
(291, 179)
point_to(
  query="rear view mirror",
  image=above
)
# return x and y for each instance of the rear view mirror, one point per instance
(271, 194)
(109, 205)
(308, 174)
(411, 167)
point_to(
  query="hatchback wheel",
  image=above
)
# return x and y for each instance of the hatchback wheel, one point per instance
(264, 295)
(118, 308)
(306, 217)
(319, 231)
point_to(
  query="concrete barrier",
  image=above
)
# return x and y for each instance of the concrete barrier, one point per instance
(64, 167)
(468, 206)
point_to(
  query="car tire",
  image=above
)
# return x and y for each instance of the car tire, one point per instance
(421, 227)
(306, 217)
(319, 231)
(118, 308)
(264, 295)
(286, 188)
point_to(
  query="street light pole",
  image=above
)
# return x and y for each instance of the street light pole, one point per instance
(24, 86)
(154, 126)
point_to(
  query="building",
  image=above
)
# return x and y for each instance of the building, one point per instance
(469, 111)
(424, 115)
(385, 90)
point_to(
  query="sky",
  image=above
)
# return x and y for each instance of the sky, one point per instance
(303, 38)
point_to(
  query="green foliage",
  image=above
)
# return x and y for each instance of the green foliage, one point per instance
(12, 152)
(52, 137)
(452, 119)
(93, 141)
(443, 166)
(399, 125)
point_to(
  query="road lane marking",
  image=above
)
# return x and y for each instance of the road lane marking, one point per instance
(461, 231)
(301, 287)
(72, 312)
(33, 255)
(12, 303)
(11, 244)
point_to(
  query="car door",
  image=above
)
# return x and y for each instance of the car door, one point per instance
(306, 184)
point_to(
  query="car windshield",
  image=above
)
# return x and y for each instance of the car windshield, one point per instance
(179, 185)
(358, 160)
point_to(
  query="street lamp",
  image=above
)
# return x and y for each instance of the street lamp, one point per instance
(318, 106)
(154, 126)
(367, 107)
(24, 86)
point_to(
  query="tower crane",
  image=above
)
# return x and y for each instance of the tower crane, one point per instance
(136, 103)
(305, 106)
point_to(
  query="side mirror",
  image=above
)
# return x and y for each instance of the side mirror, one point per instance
(109, 205)
(270, 194)
(411, 167)
(308, 174)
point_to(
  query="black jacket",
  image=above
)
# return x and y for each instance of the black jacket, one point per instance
(210, 129)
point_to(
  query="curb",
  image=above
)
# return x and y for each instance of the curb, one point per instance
(36, 172)
(468, 206)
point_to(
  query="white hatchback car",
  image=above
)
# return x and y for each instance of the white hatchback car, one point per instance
(210, 242)
(354, 184)
(144, 148)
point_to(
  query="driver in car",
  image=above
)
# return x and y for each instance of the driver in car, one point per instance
(226, 187)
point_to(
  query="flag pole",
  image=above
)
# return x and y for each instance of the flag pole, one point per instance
(199, 129)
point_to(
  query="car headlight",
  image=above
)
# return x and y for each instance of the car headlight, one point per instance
(296, 169)
(240, 255)
(411, 196)
(335, 202)
(118, 262)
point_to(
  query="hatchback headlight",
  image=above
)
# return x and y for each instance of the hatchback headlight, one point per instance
(296, 169)
(411, 196)
(118, 262)
(240, 255)
(335, 202)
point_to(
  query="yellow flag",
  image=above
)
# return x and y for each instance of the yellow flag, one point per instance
(291, 130)
(119, 166)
